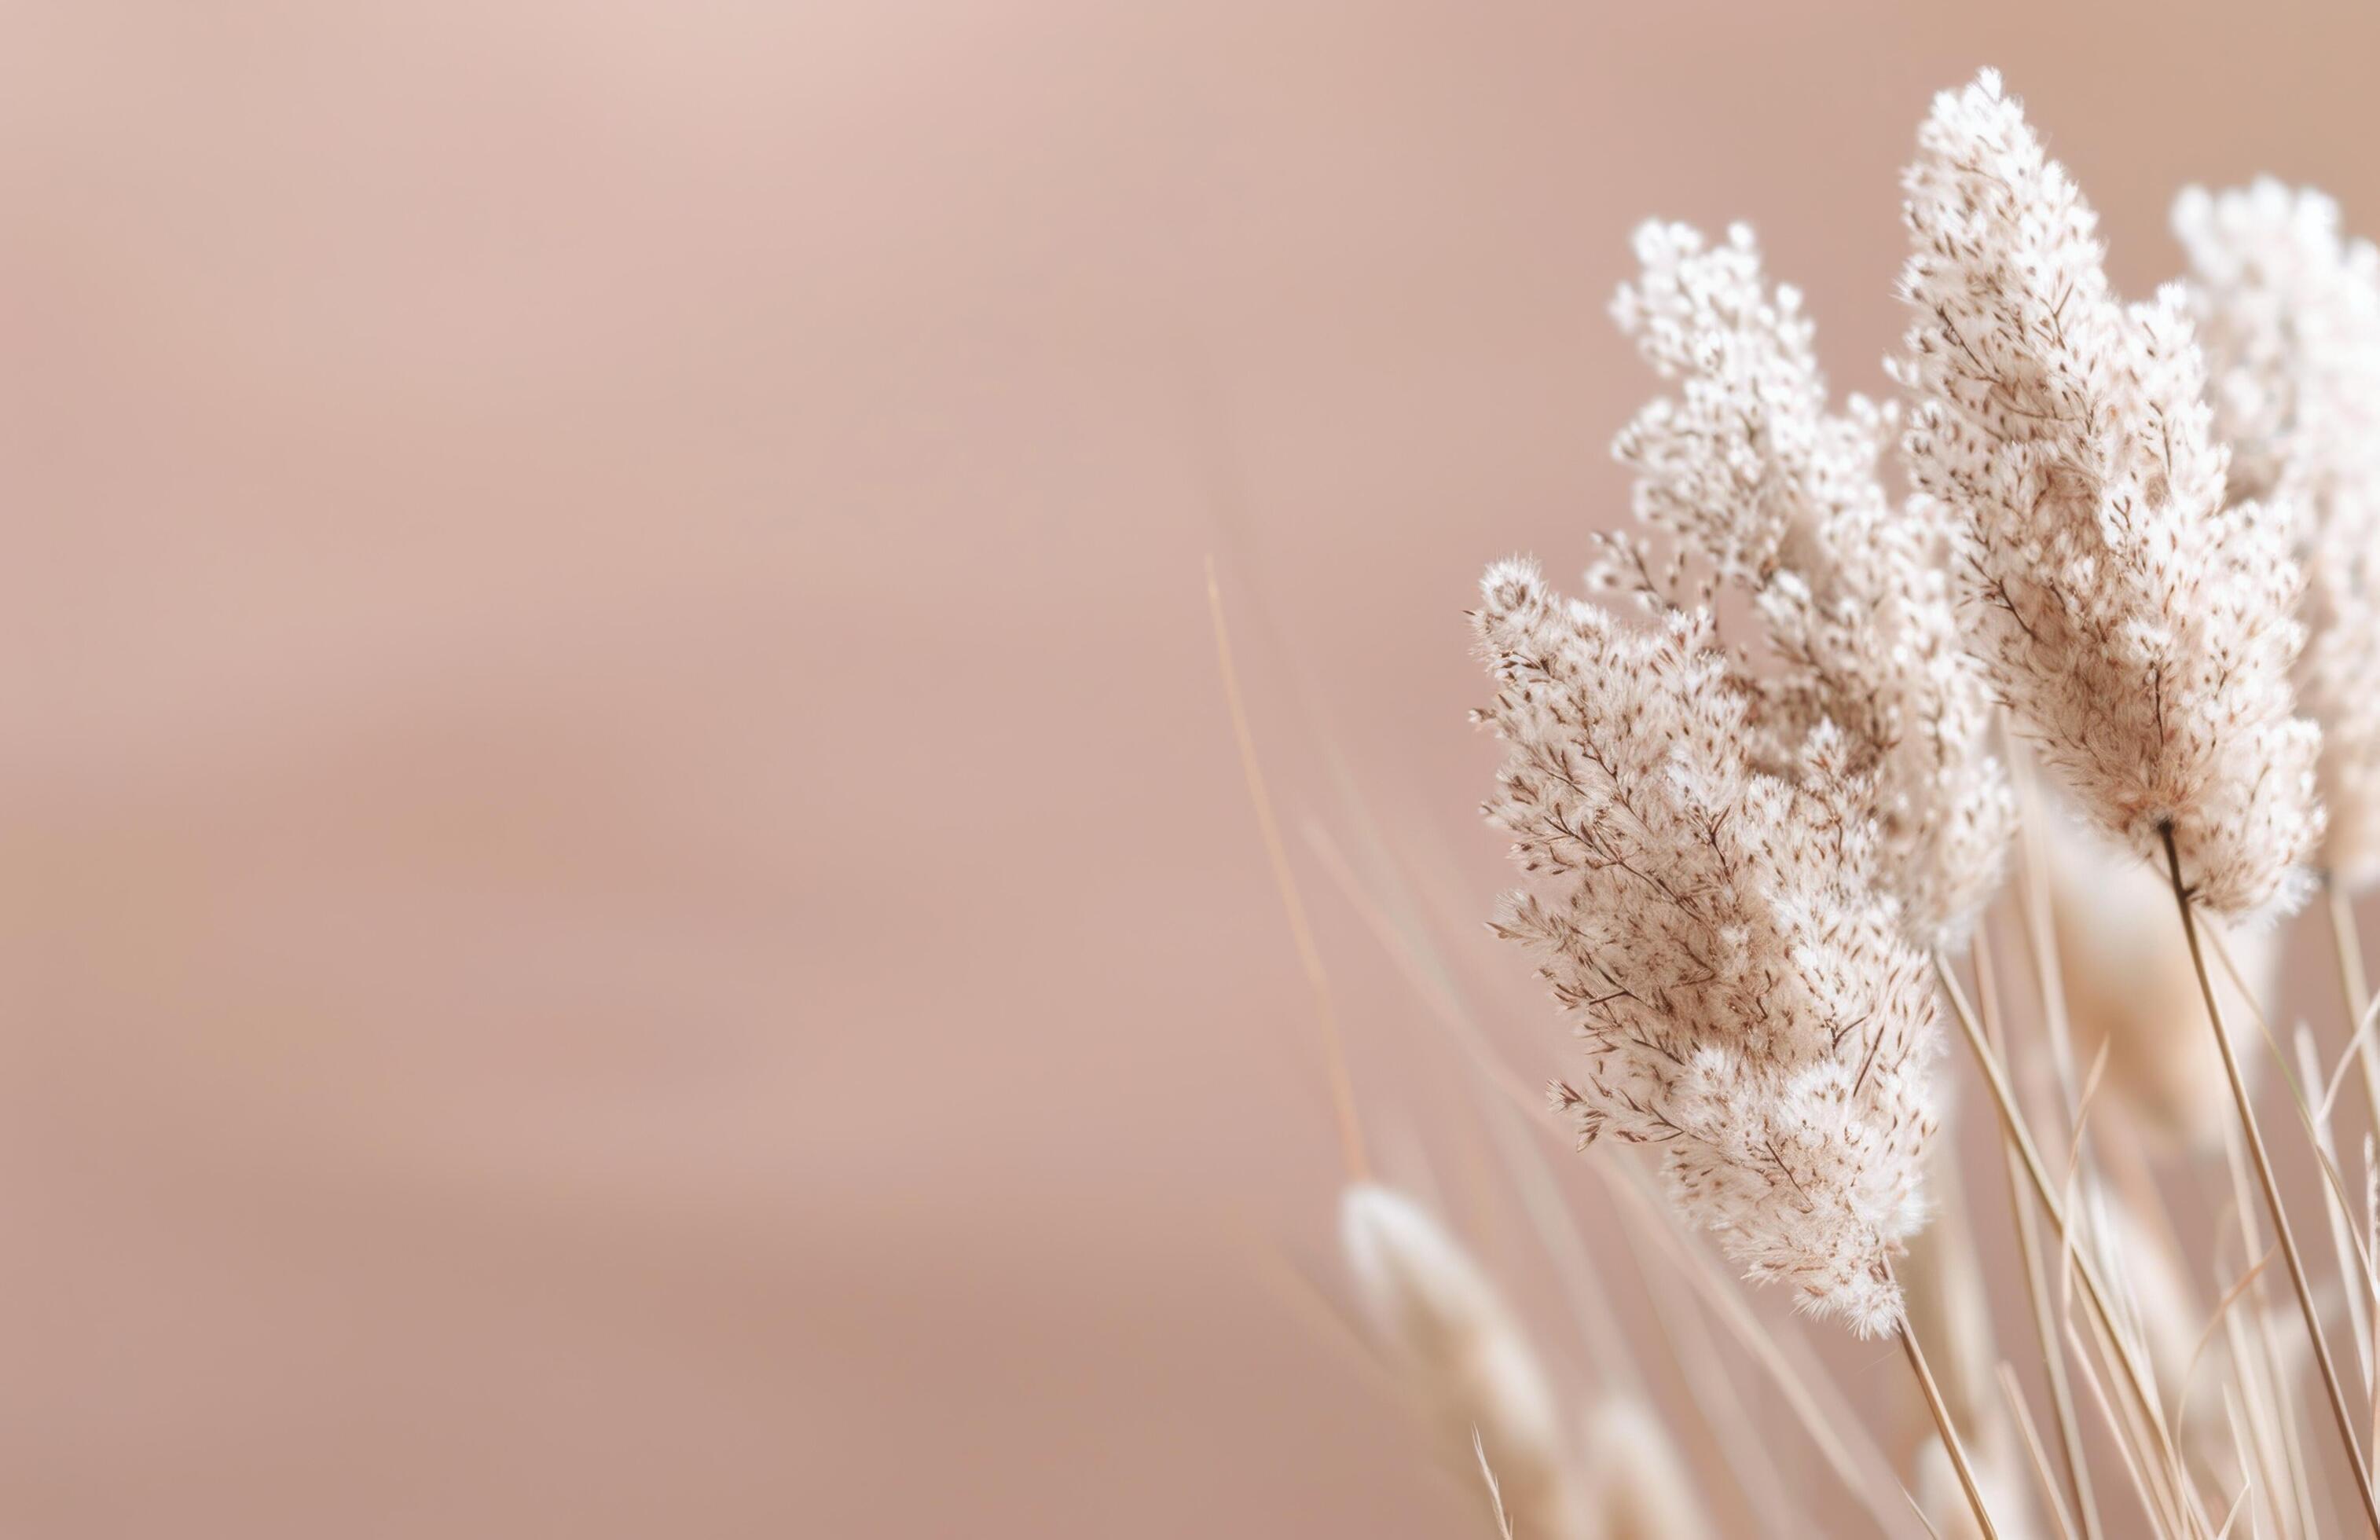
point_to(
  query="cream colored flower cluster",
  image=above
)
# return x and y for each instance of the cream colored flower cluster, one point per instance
(2288, 316)
(2139, 622)
(1735, 865)
(1748, 468)
(1746, 999)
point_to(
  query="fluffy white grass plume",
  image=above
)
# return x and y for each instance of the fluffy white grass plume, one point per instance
(2129, 986)
(1749, 469)
(2139, 622)
(1638, 1486)
(1457, 1346)
(2288, 316)
(1746, 999)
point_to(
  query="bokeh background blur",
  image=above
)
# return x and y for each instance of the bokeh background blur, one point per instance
(630, 906)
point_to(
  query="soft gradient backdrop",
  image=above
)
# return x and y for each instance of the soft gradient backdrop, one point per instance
(629, 904)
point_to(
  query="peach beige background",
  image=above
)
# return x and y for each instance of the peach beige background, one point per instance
(628, 904)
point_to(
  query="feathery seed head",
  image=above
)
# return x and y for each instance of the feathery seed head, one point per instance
(1746, 997)
(2137, 622)
(1752, 473)
(2288, 314)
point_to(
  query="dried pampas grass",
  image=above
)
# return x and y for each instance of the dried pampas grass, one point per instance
(1747, 1001)
(1748, 873)
(2288, 312)
(1750, 470)
(2141, 624)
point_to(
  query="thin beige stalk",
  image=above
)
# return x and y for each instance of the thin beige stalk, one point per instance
(2347, 947)
(2040, 932)
(2265, 1380)
(1607, 1345)
(2241, 1438)
(2095, 1290)
(1700, 1269)
(2028, 1236)
(1942, 1279)
(2206, 1338)
(2263, 1166)
(2344, 1243)
(2284, 1409)
(1495, 1487)
(2313, 1118)
(2160, 1514)
(1951, 1442)
(1310, 955)
(1720, 1405)
(2232, 1518)
(1302, 1297)
(2270, 1425)
(2372, 1243)
(2052, 1498)
(2265, 1383)
(2161, 1456)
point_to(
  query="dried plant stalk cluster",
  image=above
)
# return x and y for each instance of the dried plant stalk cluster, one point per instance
(2136, 536)
(1737, 860)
